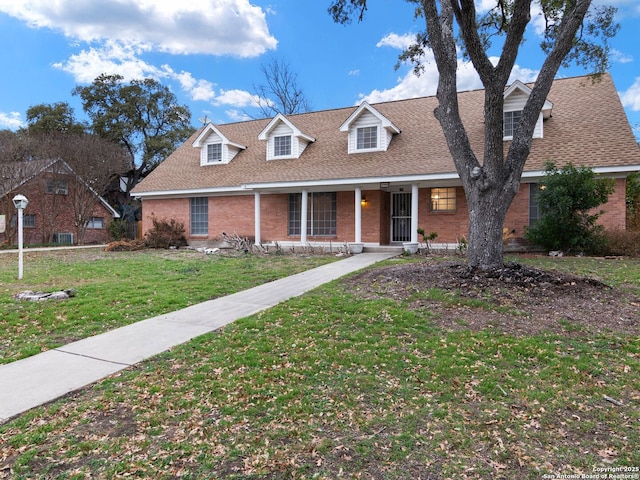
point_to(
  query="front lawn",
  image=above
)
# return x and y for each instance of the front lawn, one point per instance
(113, 289)
(333, 384)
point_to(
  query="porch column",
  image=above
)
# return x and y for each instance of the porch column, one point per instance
(414, 213)
(256, 198)
(358, 198)
(303, 217)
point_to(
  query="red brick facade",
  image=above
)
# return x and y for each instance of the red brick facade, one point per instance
(48, 213)
(235, 214)
(583, 122)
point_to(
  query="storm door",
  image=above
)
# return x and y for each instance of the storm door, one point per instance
(400, 217)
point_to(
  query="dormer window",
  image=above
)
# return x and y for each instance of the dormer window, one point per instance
(367, 138)
(515, 98)
(282, 146)
(215, 148)
(510, 122)
(368, 130)
(284, 139)
(214, 153)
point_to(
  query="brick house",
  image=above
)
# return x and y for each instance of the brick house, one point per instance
(377, 173)
(57, 197)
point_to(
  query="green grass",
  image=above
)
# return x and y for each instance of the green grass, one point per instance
(119, 288)
(329, 385)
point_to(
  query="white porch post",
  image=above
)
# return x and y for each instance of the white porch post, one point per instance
(358, 198)
(303, 217)
(257, 220)
(414, 213)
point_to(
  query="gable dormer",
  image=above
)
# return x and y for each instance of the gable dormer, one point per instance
(369, 130)
(515, 98)
(215, 148)
(284, 139)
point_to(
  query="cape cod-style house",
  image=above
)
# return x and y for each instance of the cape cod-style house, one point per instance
(377, 173)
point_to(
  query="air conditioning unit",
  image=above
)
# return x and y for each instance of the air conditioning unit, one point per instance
(63, 238)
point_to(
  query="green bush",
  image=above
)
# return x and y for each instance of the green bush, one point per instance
(117, 229)
(165, 234)
(567, 200)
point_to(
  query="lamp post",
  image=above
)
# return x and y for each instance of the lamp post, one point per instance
(21, 202)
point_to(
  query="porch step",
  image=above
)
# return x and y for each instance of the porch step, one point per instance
(383, 249)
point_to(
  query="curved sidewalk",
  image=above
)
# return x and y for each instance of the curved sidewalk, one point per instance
(39, 379)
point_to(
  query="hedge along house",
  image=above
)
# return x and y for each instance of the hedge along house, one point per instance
(58, 201)
(377, 173)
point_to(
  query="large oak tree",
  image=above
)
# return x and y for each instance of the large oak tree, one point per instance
(142, 115)
(574, 31)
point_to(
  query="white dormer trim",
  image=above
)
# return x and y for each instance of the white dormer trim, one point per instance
(281, 127)
(367, 117)
(210, 135)
(526, 90)
(515, 98)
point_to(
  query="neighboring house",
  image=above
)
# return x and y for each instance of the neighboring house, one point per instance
(58, 201)
(377, 173)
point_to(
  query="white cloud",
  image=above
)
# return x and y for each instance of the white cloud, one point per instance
(214, 27)
(237, 98)
(113, 35)
(198, 89)
(237, 116)
(113, 58)
(11, 121)
(411, 86)
(631, 97)
(621, 57)
(394, 40)
(354, 73)
(116, 58)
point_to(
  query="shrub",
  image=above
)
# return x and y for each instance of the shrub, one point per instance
(117, 229)
(623, 242)
(165, 234)
(567, 201)
(633, 201)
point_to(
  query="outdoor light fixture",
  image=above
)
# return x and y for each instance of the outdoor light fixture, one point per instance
(20, 202)
(363, 201)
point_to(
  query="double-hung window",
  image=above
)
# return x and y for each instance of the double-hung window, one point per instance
(95, 222)
(443, 199)
(214, 153)
(510, 121)
(321, 214)
(282, 146)
(367, 138)
(199, 216)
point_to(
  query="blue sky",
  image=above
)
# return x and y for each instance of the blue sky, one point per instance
(210, 52)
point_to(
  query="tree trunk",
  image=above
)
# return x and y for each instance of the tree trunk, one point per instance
(487, 212)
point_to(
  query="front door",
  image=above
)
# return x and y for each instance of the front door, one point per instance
(400, 217)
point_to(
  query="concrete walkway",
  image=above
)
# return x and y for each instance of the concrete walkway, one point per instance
(36, 380)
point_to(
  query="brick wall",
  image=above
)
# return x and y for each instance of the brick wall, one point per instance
(53, 214)
(235, 214)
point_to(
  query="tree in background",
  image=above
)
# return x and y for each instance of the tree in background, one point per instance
(90, 164)
(567, 200)
(574, 32)
(56, 117)
(79, 164)
(281, 92)
(143, 116)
